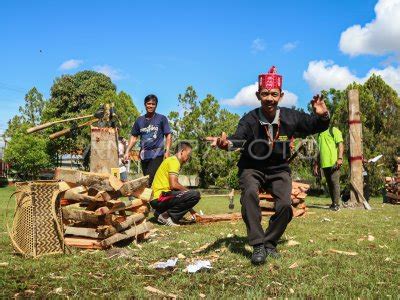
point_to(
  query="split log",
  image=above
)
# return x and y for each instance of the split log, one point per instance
(130, 187)
(267, 197)
(87, 232)
(301, 196)
(218, 218)
(89, 217)
(132, 232)
(267, 205)
(141, 210)
(97, 181)
(118, 227)
(71, 195)
(64, 186)
(66, 202)
(298, 212)
(267, 213)
(146, 194)
(83, 243)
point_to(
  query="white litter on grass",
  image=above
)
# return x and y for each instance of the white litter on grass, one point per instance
(198, 265)
(170, 263)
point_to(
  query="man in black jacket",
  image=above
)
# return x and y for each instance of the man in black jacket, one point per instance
(264, 135)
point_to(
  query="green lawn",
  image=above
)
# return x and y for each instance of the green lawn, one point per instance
(308, 269)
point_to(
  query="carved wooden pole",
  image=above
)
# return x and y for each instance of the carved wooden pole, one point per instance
(356, 149)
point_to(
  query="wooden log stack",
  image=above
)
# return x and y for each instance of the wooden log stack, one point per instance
(299, 193)
(96, 211)
(392, 185)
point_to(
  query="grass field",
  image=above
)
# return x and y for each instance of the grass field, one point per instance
(308, 269)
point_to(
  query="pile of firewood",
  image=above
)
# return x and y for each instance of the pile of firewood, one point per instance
(392, 185)
(96, 211)
(267, 201)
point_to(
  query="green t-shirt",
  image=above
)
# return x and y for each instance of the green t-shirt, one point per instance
(327, 144)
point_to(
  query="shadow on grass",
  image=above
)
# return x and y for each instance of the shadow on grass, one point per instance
(235, 244)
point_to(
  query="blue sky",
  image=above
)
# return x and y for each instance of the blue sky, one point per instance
(219, 47)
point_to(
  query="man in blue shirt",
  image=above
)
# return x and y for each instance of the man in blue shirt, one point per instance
(151, 128)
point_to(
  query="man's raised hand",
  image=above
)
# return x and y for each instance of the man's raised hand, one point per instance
(318, 105)
(220, 142)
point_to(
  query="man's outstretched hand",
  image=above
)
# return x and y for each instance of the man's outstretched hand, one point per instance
(220, 142)
(318, 105)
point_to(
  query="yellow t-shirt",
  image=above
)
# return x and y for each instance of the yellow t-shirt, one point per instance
(171, 165)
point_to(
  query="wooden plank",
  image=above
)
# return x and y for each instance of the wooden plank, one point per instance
(356, 150)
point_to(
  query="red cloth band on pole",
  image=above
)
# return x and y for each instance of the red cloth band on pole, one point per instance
(354, 158)
(354, 122)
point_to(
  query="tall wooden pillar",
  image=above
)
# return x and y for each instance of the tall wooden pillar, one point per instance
(104, 150)
(356, 149)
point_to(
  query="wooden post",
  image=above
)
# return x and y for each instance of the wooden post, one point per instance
(356, 149)
(104, 150)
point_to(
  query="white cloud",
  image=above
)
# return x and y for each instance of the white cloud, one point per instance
(390, 75)
(247, 97)
(70, 64)
(290, 46)
(380, 36)
(323, 75)
(257, 45)
(109, 71)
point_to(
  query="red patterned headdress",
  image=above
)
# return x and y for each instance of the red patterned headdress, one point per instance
(271, 80)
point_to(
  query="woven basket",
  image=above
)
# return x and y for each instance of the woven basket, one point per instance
(37, 223)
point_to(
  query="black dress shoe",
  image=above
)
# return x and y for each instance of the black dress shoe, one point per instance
(272, 252)
(259, 255)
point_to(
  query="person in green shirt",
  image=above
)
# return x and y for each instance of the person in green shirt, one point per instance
(330, 146)
(171, 199)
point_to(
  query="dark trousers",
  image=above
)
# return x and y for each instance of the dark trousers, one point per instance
(251, 181)
(178, 205)
(333, 180)
(150, 167)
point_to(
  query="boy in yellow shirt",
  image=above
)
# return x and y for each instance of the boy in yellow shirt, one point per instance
(171, 199)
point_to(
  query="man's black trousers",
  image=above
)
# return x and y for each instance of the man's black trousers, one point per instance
(280, 185)
(150, 167)
(178, 205)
